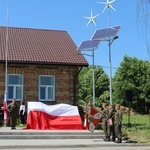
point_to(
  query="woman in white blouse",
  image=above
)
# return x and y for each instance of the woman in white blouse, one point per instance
(22, 112)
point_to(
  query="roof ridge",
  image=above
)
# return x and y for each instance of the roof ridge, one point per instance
(42, 29)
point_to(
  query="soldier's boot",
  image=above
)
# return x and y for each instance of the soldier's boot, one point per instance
(113, 139)
(105, 138)
(119, 140)
(108, 139)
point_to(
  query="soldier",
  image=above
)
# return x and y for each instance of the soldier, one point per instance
(1, 115)
(104, 120)
(13, 111)
(118, 123)
(111, 129)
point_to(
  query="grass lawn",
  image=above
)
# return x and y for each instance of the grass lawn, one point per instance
(139, 128)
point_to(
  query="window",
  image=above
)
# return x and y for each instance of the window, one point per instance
(15, 87)
(46, 88)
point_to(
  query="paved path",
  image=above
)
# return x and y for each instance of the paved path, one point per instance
(73, 144)
(67, 145)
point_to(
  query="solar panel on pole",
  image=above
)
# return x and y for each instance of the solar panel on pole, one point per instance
(106, 33)
(89, 45)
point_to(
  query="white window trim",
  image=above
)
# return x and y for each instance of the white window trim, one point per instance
(51, 100)
(15, 85)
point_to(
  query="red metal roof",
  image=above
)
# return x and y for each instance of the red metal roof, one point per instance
(39, 46)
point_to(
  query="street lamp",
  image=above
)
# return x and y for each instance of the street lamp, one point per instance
(110, 41)
(90, 45)
(109, 35)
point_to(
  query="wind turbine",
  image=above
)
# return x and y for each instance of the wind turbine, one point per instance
(108, 4)
(92, 20)
(110, 41)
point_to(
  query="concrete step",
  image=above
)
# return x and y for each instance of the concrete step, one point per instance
(51, 137)
(7, 133)
(48, 132)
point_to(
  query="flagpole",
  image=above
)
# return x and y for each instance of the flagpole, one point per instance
(6, 57)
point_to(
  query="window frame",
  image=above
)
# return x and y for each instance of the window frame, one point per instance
(15, 86)
(46, 90)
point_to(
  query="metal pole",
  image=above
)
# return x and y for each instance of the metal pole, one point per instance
(93, 74)
(110, 70)
(110, 73)
(6, 49)
(93, 80)
(6, 57)
(149, 118)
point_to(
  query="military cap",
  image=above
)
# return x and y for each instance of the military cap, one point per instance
(117, 105)
(104, 104)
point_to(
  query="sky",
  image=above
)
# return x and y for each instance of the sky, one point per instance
(69, 15)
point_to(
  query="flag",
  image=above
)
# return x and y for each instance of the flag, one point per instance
(5, 108)
(94, 117)
(53, 117)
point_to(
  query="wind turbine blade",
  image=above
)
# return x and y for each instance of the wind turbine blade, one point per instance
(87, 17)
(102, 3)
(112, 1)
(112, 8)
(88, 23)
(91, 13)
(104, 9)
(94, 22)
(96, 15)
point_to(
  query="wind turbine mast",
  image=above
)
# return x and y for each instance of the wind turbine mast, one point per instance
(92, 20)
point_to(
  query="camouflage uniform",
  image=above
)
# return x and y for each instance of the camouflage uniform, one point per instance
(13, 111)
(104, 121)
(118, 123)
(111, 129)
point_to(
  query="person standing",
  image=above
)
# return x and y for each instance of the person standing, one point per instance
(1, 115)
(118, 117)
(13, 111)
(104, 120)
(22, 112)
(111, 129)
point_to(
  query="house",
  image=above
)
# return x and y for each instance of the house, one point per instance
(42, 65)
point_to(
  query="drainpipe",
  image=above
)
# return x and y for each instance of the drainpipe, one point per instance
(74, 85)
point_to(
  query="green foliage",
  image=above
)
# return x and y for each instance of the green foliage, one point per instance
(134, 75)
(18, 121)
(86, 85)
(138, 121)
(139, 130)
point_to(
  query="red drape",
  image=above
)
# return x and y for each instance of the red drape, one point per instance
(41, 120)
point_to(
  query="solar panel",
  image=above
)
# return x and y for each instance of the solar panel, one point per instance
(89, 44)
(106, 33)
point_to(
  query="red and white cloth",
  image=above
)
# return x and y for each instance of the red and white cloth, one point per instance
(94, 117)
(53, 117)
(5, 109)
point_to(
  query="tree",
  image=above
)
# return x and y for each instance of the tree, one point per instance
(86, 85)
(134, 75)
